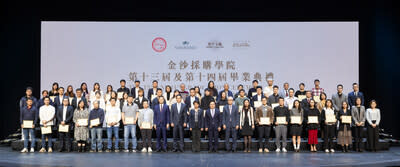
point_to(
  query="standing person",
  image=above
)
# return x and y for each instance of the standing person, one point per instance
(152, 92)
(196, 125)
(29, 113)
(135, 89)
(54, 89)
(206, 100)
(123, 89)
(226, 91)
(79, 96)
(140, 99)
(230, 122)
(156, 100)
(130, 113)
(70, 92)
(46, 116)
(296, 128)
(168, 94)
(145, 122)
(161, 123)
(313, 127)
(253, 90)
(290, 99)
(239, 87)
(317, 90)
(305, 103)
(264, 111)
(344, 135)
(40, 103)
(178, 122)
(58, 100)
(113, 117)
(213, 126)
(285, 91)
(274, 98)
(93, 93)
(329, 127)
(85, 91)
(242, 97)
(183, 91)
(280, 127)
(268, 90)
(64, 117)
(28, 95)
(301, 91)
(354, 94)
(96, 119)
(373, 116)
(213, 90)
(358, 116)
(81, 131)
(338, 98)
(191, 98)
(247, 124)
(257, 98)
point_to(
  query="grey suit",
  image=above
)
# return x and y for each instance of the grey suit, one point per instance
(338, 101)
(358, 116)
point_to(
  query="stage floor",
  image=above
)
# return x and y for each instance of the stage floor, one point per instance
(390, 157)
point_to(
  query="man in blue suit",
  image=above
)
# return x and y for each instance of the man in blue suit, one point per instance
(161, 123)
(152, 91)
(156, 100)
(190, 99)
(230, 122)
(354, 94)
(257, 97)
(64, 116)
(213, 126)
(58, 101)
(178, 122)
(78, 98)
(226, 90)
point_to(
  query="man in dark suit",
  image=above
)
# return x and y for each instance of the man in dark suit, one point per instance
(58, 100)
(178, 122)
(258, 96)
(135, 90)
(161, 123)
(213, 126)
(354, 94)
(152, 91)
(78, 98)
(139, 99)
(230, 122)
(305, 103)
(226, 90)
(64, 117)
(190, 99)
(156, 100)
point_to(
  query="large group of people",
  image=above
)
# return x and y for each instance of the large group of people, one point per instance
(301, 113)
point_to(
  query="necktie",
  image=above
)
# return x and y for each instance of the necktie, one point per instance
(212, 113)
(355, 93)
(230, 109)
(286, 93)
(161, 107)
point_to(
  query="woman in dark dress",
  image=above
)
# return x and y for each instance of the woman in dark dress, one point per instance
(247, 124)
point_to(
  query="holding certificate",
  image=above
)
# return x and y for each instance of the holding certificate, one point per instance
(313, 119)
(81, 120)
(28, 118)
(344, 134)
(64, 117)
(46, 116)
(296, 128)
(264, 111)
(282, 116)
(329, 117)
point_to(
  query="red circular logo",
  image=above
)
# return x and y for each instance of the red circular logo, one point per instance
(159, 44)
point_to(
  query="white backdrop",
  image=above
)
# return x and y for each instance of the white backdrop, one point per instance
(196, 52)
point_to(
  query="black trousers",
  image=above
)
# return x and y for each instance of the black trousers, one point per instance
(358, 136)
(146, 137)
(213, 138)
(263, 133)
(178, 136)
(64, 137)
(329, 134)
(373, 137)
(196, 133)
(231, 131)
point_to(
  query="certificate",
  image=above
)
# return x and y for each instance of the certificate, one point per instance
(253, 94)
(313, 119)
(257, 104)
(221, 108)
(120, 94)
(63, 128)
(301, 97)
(70, 100)
(295, 119)
(265, 121)
(330, 118)
(273, 105)
(129, 120)
(27, 124)
(346, 119)
(95, 122)
(316, 99)
(281, 120)
(83, 122)
(146, 125)
(52, 98)
(46, 130)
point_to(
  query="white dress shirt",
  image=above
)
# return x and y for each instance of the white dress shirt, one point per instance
(46, 113)
(113, 114)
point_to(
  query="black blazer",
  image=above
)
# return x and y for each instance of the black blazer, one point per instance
(187, 101)
(342, 125)
(74, 102)
(140, 103)
(313, 112)
(59, 114)
(213, 122)
(57, 101)
(133, 91)
(191, 118)
(178, 119)
(149, 93)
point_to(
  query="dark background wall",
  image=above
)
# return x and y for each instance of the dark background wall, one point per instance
(379, 31)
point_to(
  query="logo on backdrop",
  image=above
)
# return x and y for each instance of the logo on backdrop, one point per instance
(185, 45)
(159, 44)
(214, 44)
(241, 44)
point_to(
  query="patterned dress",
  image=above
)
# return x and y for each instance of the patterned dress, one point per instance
(81, 132)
